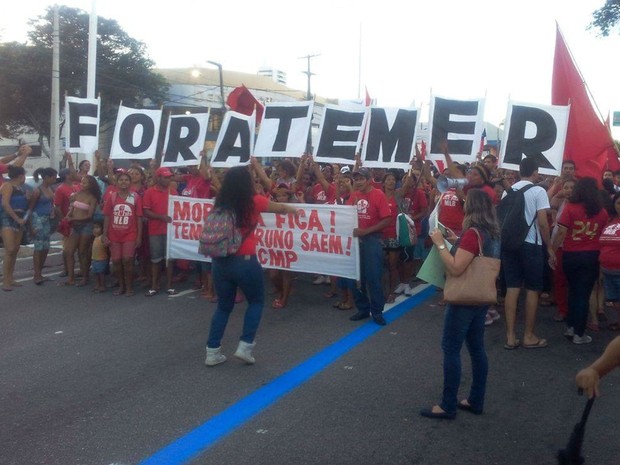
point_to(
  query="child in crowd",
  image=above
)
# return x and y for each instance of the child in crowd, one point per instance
(282, 280)
(99, 257)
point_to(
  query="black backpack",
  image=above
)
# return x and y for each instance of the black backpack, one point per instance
(511, 216)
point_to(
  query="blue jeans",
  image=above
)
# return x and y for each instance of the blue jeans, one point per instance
(464, 323)
(369, 297)
(581, 270)
(241, 271)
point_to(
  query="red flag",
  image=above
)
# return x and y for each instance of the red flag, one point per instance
(423, 150)
(588, 143)
(368, 100)
(242, 101)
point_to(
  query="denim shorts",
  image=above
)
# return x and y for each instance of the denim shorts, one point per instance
(82, 229)
(99, 266)
(611, 283)
(7, 221)
(524, 267)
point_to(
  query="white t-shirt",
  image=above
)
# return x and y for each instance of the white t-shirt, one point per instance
(536, 199)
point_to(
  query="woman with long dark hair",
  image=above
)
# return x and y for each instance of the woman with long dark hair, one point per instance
(80, 216)
(579, 227)
(43, 212)
(241, 270)
(12, 221)
(465, 323)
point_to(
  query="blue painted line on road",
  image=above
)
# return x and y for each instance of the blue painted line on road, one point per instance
(198, 440)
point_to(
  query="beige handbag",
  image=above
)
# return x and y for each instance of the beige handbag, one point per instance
(476, 285)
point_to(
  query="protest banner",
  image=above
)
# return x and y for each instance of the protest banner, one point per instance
(82, 124)
(284, 130)
(535, 131)
(185, 139)
(460, 123)
(319, 240)
(390, 138)
(135, 134)
(340, 135)
(235, 141)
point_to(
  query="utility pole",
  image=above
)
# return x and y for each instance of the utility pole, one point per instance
(219, 67)
(309, 97)
(55, 103)
(308, 73)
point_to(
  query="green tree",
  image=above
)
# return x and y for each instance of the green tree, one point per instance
(606, 17)
(124, 72)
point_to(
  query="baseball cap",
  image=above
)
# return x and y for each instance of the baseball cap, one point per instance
(163, 172)
(63, 173)
(345, 169)
(363, 172)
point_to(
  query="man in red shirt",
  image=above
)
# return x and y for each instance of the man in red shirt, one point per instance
(373, 213)
(155, 207)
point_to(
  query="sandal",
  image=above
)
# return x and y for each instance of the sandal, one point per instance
(329, 295)
(344, 306)
(171, 291)
(277, 304)
(150, 292)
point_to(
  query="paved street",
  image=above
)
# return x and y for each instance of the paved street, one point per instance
(99, 380)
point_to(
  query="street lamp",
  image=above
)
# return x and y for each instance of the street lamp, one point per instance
(219, 67)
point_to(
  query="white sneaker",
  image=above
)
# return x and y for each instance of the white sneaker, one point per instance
(320, 279)
(585, 339)
(400, 288)
(570, 332)
(244, 352)
(488, 320)
(494, 314)
(214, 357)
(408, 290)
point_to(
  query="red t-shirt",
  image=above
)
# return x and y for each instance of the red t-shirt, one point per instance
(469, 242)
(485, 188)
(156, 200)
(417, 203)
(124, 216)
(610, 246)
(390, 230)
(372, 207)
(583, 232)
(62, 197)
(451, 212)
(320, 196)
(248, 246)
(196, 187)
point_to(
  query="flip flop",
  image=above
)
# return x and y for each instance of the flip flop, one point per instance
(512, 346)
(150, 292)
(541, 344)
(171, 291)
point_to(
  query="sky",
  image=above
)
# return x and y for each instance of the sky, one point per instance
(402, 54)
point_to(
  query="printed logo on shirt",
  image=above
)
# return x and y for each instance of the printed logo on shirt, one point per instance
(121, 214)
(612, 229)
(362, 207)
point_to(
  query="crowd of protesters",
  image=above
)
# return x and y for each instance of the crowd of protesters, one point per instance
(114, 225)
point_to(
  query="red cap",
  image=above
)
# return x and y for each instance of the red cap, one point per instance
(4, 168)
(164, 173)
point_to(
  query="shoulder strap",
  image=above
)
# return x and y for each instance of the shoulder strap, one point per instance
(480, 253)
